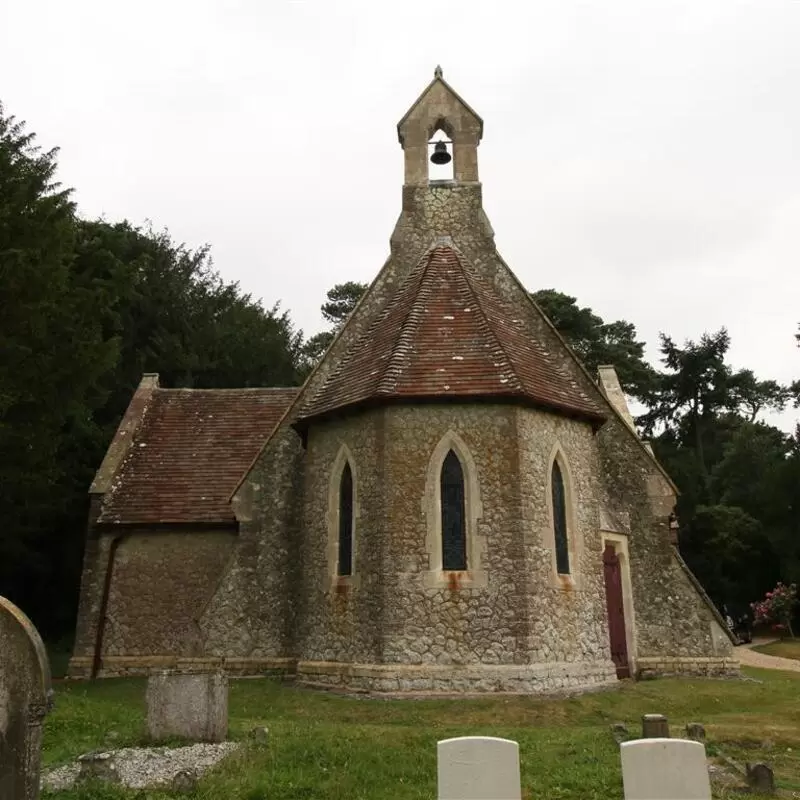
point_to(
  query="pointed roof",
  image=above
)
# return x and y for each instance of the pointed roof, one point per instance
(447, 334)
(438, 79)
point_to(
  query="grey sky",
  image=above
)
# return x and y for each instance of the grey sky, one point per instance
(643, 156)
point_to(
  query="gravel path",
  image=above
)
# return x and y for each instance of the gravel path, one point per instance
(148, 766)
(749, 658)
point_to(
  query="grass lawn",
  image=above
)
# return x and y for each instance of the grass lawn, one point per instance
(785, 648)
(344, 748)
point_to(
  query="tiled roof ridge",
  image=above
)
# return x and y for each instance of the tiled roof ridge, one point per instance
(406, 293)
(485, 320)
(495, 321)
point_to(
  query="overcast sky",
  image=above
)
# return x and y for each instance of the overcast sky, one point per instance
(643, 156)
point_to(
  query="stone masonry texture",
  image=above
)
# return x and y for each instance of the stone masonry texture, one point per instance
(263, 595)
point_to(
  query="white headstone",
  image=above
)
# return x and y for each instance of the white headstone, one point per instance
(665, 769)
(478, 768)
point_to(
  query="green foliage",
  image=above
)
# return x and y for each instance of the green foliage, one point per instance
(54, 354)
(597, 342)
(87, 307)
(341, 300)
(737, 510)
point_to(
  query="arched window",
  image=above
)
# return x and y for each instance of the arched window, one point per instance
(345, 566)
(560, 520)
(454, 531)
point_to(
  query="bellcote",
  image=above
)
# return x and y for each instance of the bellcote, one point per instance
(440, 108)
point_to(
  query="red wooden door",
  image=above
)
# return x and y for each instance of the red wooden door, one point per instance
(616, 612)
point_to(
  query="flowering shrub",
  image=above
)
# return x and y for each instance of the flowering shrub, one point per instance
(777, 608)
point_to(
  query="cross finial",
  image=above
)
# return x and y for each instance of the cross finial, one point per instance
(437, 73)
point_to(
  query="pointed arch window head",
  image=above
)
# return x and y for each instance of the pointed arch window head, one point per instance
(454, 531)
(345, 565)
(560, 520)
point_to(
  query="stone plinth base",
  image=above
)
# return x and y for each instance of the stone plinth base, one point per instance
(80, 667)
(191, 707)
(456, 679)
(686, 666)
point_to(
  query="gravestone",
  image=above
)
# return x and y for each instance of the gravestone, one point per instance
(655, 726)
(98, 767)
(665, 769)
(761, 778)
(191, 707)
(25, 699)
(478, 768)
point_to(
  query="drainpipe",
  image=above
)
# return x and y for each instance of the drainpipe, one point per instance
(97, 656)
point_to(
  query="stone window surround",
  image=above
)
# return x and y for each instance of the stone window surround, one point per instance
(474, 576)
(620, 543)
(573, 580)
(332, 577)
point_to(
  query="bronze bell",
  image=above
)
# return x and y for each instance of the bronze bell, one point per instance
(440, 154)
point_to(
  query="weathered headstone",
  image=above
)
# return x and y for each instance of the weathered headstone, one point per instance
(25, 699)
(191, 707)
(696, 732)
(98, 767)
(478, 768)
(761, 778)
(655, 726)
(665, 769)
(184, 780)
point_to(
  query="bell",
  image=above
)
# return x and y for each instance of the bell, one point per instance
(440, 154)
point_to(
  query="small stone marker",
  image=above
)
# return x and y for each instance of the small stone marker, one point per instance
(696, 732)
(184, 781)
(98, 767)
(25, 699)
(192, 707)
(655, 726)
(761, 778)
(665, 769)
(478, 768)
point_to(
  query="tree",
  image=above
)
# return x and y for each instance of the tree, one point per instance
(54, 352)
(174, 315)
(341, 300)
(734, 503)
(597, 342)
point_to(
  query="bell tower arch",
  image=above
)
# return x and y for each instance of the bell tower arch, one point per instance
(439, 108)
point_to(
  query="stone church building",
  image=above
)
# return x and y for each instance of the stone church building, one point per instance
(450, 503)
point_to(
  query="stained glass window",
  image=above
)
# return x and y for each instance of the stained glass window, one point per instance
(560, 521)
(346, 522)
(454, 534)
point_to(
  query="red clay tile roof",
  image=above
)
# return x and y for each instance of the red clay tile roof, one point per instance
(190, 452)
(446, 333)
